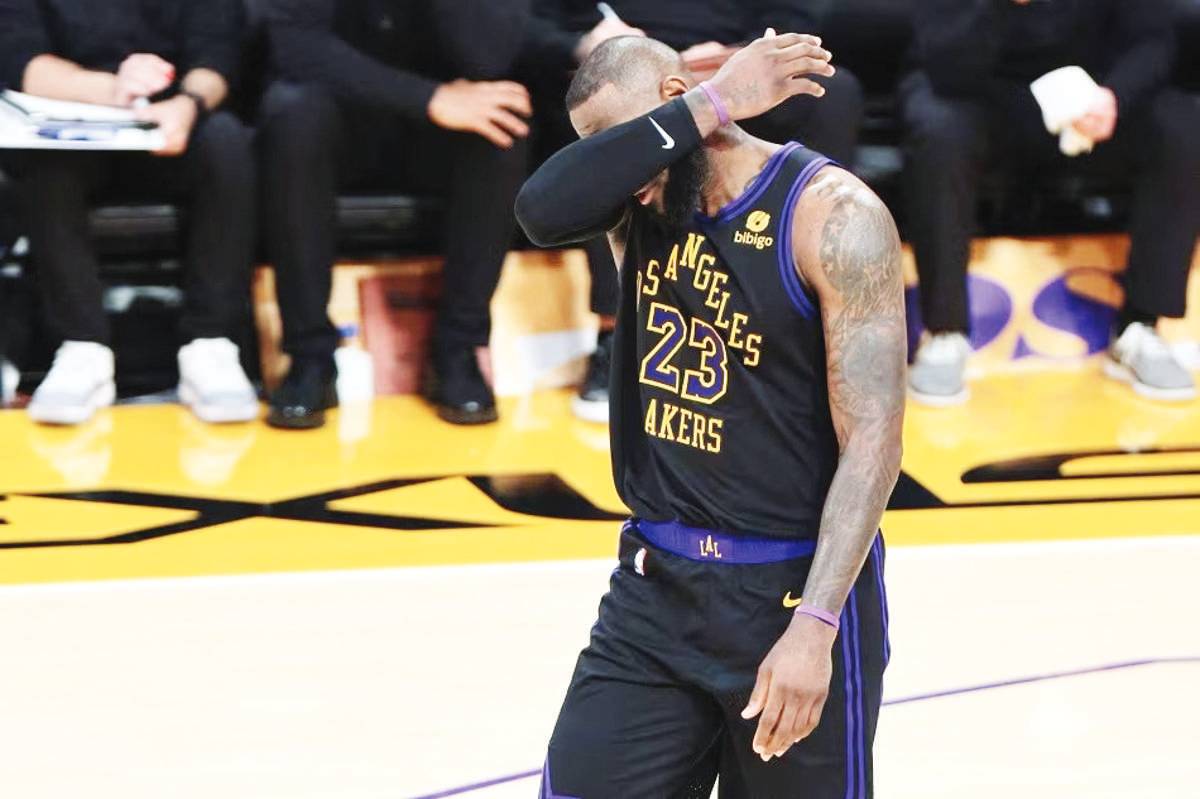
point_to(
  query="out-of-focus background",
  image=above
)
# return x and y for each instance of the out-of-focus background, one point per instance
(258, 537)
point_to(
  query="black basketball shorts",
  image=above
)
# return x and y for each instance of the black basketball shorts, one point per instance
(654, 707)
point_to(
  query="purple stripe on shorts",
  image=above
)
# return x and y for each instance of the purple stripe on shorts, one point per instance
(877, 564)
(547, 791)
(847, 668)
(860, 725)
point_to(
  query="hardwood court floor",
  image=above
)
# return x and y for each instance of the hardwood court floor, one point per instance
(391, 607)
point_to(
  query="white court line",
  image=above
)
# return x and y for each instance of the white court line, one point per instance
(950, 551)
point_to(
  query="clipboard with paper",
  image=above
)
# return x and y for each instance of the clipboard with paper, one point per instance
(28, 122)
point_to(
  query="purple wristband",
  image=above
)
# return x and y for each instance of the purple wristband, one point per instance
(718, 105)
(819, 615)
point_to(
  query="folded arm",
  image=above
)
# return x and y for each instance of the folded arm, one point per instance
(582, 190)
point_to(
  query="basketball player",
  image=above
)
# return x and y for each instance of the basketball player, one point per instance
(756, 416)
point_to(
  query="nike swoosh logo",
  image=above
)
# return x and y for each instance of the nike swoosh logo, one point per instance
(668, 142)
(790, 603)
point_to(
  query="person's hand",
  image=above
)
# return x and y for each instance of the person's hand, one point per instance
(1100, 121)
(607, 28)
(494, 110)
(141, 75)
(768, 71)
(703, 51)
(175, 119)
(792, 685)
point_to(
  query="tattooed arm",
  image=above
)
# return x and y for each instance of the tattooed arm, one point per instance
(847, 251)
(856, 274)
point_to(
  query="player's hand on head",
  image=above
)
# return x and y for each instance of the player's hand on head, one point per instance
(791, 687)
(495, 110)
(769, 70)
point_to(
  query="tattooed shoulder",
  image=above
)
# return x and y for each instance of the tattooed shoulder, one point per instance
(859, 246)
(854, 261)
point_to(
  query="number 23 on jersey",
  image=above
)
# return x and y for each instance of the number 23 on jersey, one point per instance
(705, 385)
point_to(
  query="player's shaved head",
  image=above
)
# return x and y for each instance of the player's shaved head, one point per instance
(621, 79)
(629, 63)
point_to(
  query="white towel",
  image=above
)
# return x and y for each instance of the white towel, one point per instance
(1065, 95)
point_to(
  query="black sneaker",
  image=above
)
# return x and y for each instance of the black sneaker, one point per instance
(591, 403)
(455, 386)
(306, 393)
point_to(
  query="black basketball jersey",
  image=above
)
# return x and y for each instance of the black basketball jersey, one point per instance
(720, 412)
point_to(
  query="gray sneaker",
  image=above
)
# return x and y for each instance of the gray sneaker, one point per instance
(936, 375)
(1141, 358)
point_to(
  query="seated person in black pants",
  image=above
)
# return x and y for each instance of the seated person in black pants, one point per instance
(564, 32)
(181, 56)
(407, 94)
(969, 104)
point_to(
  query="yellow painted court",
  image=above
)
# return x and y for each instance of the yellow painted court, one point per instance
(391, 606)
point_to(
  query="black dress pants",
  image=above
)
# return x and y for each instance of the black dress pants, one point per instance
(949, 141)
(312, 145)
(830, 125)
(213, 180)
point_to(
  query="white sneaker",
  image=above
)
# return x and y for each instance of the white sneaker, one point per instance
(936, 376)
(79, 383)
(10, 378)
(213, 384)
(1141, 358)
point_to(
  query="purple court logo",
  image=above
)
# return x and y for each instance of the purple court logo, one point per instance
(1069, 316)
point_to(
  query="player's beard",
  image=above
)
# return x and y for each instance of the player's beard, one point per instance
(684, 189)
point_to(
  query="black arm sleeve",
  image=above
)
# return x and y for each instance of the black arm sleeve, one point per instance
(581, 191)
(304, 47)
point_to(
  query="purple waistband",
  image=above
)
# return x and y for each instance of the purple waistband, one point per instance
(698, 543)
